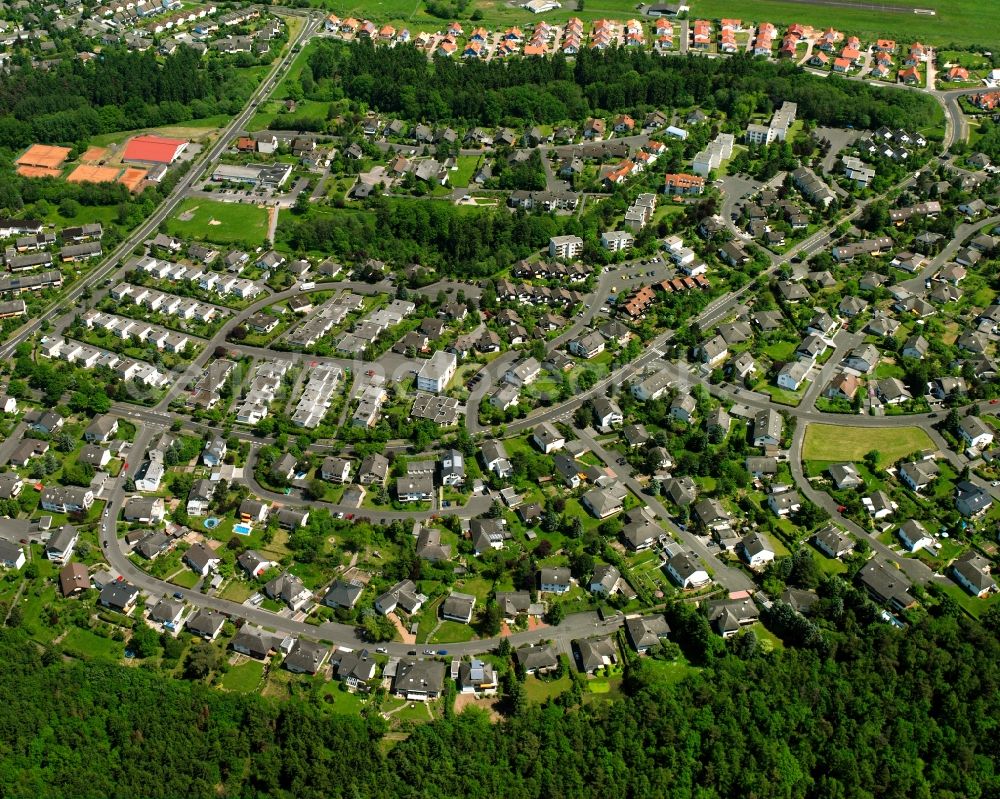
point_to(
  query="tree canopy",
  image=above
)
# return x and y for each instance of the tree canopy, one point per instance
(874, 712)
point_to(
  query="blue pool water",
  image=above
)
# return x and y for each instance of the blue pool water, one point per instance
(211, 524)
(242, 529)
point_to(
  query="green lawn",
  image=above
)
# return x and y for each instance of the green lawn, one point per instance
(237, 591)
(452, 632)
(956, 21)
(671, 671)
(538, 690)
(243, 678)
(218, 222)
(462, 177)
(827, 442)
(341, 701)
(185, 578)
(830, 566)
(783, 396)
(90, 645)
(780, 350)
(884, 370)
(972, 604)
(768, 640)
(415, 712)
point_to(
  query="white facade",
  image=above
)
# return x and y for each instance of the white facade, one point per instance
(436, 373)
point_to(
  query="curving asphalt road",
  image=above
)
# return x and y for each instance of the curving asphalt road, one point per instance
(154, 419)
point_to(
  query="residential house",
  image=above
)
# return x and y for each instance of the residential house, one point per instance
(975, 432)
(73, 577)
(783, 501)
(845, 476)
(729, 616)
(554, 580)
(306, 657)
(458, 607)
(547, 438)
(833, 542)
(253, 563)
(886, 584)
(914, 536)
(119, 596)
(687, 571)
(419, 680)
(971, 500)
(289, 589)
(606, 580)
(792, 374)
(101, 430)
(604, 502)
(595, 653)
(206, 624)
(403, 595)
(972, 572)
(646, 633)
(343, 594)
(537, 658)
(755, 550)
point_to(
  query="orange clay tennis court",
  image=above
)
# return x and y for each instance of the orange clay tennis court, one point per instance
(132, 178)
(42, 161)
(88, 173)
(94, 154)
(44, 155)
(38, 172)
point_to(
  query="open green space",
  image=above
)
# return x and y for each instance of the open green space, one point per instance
(90, 645)
(462, 176)
(960, 22)
(415, 712)
(539, 689)
(185, 579)
(221, 223)
(671, 671)
(828, 442)
(340, 700)
(963, 22)
(972, 604)
(784, 396)
(244, 677)
(452, 632)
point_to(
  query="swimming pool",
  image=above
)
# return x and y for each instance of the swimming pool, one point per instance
(212, 523)
(242, 529)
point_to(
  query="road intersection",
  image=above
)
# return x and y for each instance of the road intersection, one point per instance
(153, 420)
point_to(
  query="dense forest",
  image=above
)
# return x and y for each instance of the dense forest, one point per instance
(402, 81)
(459, 240)
(871, 712)
(121, 90)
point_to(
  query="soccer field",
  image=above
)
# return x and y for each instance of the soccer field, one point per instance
(220, 223)
(828, 442)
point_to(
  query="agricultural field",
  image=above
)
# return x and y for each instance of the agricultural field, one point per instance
(220, 223)
(960, 22)
(826, 442)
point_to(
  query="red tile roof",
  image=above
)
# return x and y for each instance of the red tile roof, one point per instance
(153, 149)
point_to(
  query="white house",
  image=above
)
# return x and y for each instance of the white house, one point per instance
(975, 432)
(914, 536)
(792, 374)
(756, 550)
(547, 438)
(436, 373)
